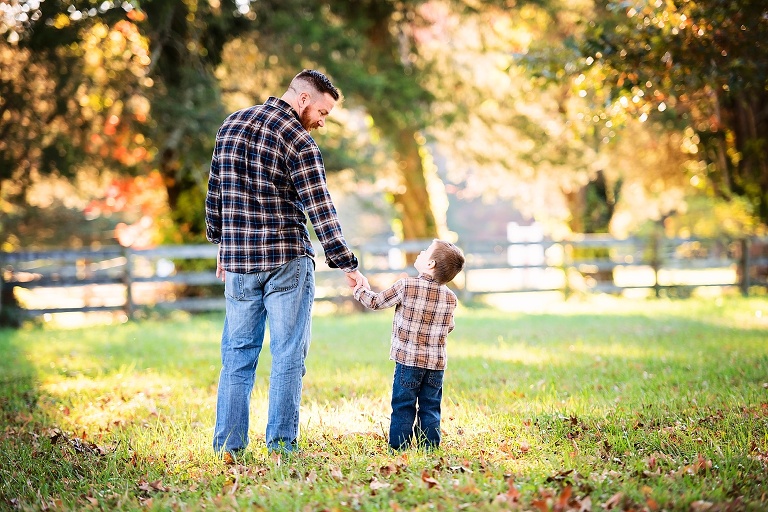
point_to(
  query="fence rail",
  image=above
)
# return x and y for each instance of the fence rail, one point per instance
(183, 277)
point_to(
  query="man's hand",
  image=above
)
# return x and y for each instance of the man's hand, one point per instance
(355, 278)
(220, 272)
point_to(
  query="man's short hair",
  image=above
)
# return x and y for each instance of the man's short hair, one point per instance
(449, 261)
(318, 81)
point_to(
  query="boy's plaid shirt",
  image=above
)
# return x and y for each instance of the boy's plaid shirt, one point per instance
(266, 172)
(423, 319)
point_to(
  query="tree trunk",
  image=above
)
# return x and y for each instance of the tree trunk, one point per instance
(576, 199)
(412, 201)
(750, 122)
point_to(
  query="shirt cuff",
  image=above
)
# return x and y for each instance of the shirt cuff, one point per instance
(351, 268)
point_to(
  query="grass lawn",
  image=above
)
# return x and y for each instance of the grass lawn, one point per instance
(599, 404)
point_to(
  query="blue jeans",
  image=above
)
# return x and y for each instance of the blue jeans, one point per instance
(416, 397)
(284, 297)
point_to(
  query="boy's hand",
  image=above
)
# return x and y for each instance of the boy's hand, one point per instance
(355, 279)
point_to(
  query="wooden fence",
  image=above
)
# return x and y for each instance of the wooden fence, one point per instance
(183, 277)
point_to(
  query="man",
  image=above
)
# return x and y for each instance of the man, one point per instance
(267, 173)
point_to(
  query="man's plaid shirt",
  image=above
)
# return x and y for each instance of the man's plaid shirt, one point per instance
(423, 318)
(266, 172)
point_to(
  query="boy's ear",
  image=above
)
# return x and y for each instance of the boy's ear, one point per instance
(431, 264)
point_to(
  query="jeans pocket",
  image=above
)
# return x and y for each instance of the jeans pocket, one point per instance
(234, 287)
(286, 277)
(435, 379)
(410, 377)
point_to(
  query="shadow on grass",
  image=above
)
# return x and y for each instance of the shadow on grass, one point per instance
(48, 458)
(18, 396)
(18, 403)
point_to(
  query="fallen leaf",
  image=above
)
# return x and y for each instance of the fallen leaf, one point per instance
(255, 471)
(702, 464)
(562, 475)
(513, 495)
(613, 501)
(468, 488)
(376, 485)
(388, 470)
(231, 486)
(336, 474)
(157, 485)
(562, 500)
(427, 479)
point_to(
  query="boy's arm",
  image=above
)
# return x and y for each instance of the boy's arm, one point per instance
(453, 303)
(384, 299)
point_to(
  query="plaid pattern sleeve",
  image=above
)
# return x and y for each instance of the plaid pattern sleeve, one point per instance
(266, 175)
(423, 318)
(309, 181)
(213, 204)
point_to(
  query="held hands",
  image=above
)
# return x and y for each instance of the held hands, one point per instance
(356, 285)
(356, 280)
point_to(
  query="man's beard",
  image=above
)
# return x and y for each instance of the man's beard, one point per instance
(306, 122)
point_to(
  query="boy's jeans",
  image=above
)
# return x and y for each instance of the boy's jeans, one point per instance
(412, 386)
(284, 296)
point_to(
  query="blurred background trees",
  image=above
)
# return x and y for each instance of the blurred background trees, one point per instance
(702, 65)
(584, 116)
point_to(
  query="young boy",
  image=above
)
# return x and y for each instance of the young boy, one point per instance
(423, 319)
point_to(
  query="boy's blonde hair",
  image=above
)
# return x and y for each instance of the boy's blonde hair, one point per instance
(449, 261)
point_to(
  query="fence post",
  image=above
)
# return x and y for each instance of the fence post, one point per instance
(744, 264)
(656, 262)
(567, 261)
(128, 282)
(10, 314)
(465, 295)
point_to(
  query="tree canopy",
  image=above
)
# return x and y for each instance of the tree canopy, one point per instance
(700, 66)
(138, 88)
